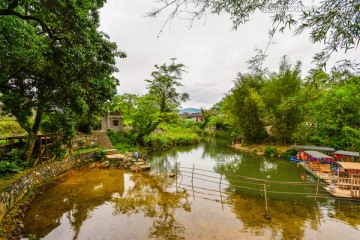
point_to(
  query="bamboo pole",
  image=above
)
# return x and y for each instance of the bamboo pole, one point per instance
(222, 171)
(192, 180)
(317, 188)
(266, 204)
(176, 175)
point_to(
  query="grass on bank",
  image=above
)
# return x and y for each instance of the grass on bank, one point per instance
(9, 126)
(169, 135)
(165, 136)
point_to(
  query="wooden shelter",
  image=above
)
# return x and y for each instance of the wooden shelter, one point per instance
(349, 177)
(346, 156)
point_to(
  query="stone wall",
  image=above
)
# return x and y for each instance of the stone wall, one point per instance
(38, 176)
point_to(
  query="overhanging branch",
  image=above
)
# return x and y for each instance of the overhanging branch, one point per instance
(45, 28)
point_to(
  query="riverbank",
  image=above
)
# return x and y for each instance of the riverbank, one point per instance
(266, 150)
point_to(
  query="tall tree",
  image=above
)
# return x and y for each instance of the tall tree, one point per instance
(245, 105)
(163, 86)
(277, 92)
(53, 59)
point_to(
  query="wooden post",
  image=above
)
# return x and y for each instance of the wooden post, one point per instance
(176, 175)
(40, 149)
(222, 170)
(192, 180)
(266, 204)
(351, 186)
(317, 188)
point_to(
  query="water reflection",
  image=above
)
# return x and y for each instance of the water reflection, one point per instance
(154, 196)
(288, 219)
(74, 202)
(115, 204)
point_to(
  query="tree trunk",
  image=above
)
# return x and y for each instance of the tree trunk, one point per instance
(31, 140)
(29, 146)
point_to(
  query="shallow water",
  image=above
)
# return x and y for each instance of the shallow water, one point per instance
(117, 204)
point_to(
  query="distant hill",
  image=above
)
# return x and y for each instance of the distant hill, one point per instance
(189, 110)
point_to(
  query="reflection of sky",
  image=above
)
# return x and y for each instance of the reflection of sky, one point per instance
(267, 166)
(63, 231)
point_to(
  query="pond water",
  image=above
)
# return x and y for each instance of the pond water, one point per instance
(117, 204)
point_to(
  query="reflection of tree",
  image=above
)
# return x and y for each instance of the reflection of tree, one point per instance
(165, 161)
(150, 195)
(76, 198)
(288, 219)
(345, 212)
(219, 150)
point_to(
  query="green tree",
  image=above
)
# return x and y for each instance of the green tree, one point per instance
(335, 23)
(245, 105)
(283, 111)
(206, 114)
(163, 86)
(146, 116)
(53, 59)
(331, 115)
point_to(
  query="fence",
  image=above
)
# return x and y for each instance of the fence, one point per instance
(215, 186)
(44, 143)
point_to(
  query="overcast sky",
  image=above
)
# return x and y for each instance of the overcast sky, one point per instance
(211, 50)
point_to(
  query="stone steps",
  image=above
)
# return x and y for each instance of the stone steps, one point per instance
(116, 156)
(111, 151)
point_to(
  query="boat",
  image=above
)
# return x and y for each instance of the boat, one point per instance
(295, 160)
(299, 157)
(318, 164)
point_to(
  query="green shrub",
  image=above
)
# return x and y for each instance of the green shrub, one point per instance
(122, 142)
(254, 151)
(290, 152)
(8, 167)
(9, 126)
(100, 154)
(270, 151)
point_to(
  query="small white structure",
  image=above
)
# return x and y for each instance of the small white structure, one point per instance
(112, 121)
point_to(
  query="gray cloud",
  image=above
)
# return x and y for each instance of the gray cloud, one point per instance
(212, 52)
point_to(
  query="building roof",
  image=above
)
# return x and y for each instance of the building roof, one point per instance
(350, 165)
(313, 148)
(317, 154)
(347, 153)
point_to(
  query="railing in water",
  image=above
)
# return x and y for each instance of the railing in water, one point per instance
(215, 186)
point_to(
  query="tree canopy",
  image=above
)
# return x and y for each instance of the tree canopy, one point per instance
(163, 86)
(319, 109)
(54, 59)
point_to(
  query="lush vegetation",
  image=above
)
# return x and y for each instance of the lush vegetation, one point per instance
(172, 134)
(9, 126)
(283, 108)
(153, 118)
(54, 62)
